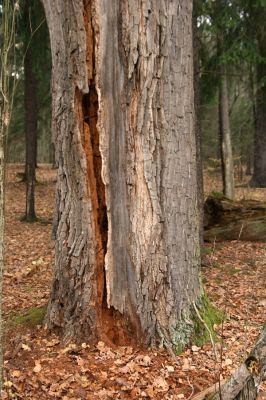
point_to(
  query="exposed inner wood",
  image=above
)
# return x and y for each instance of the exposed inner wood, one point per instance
(113, 326)
(94, 163)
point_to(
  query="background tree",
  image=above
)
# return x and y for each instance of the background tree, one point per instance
(32, 97)
(230, 68)
(127, 229)
(255, 13)
(7, 83)
(34, 40)
(31, 117)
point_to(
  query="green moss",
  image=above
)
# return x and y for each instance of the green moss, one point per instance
(33, 316)
(28, 220)
(206, 250)
(210, 315)
(45, 221)
(28, 289)
(21, 176)
(231, 270)
(217, 195)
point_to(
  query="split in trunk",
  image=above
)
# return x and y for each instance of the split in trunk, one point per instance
(123, 122)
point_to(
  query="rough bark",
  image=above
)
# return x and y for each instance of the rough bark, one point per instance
(31, 115)
(126, 225)
(225, 139)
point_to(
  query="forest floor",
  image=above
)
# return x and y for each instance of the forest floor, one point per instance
(37, 366)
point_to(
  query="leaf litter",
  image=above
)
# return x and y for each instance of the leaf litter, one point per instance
(37, 366)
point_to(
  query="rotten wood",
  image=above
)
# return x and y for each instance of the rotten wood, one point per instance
(225, 219)
(245, 381)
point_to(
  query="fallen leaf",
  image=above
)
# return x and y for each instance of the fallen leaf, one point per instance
(160, 383)
(16, 373)
(195, 348)
(25, 347)
(170, 368)
(228, 361)
(37, 367)
(145, 361)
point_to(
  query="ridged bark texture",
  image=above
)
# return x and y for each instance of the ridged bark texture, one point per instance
(127, 230)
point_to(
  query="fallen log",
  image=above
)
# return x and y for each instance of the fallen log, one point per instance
(225, 219)
(244, 383)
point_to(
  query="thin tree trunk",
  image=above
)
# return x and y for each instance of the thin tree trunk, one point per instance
(126, 225)
(259, 175)
(196, 44)
(225, 139)
(2, 221)
(30, 96)
(8, 30)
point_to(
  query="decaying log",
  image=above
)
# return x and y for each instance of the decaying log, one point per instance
(244, 383)
(234, 220)
(209, 391)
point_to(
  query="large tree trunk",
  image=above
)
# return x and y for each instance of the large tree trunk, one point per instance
(126, 226)
(30, 96)
(225, 139)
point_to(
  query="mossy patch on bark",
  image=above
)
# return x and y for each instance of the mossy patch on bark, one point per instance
(211, 316)
(197, 326)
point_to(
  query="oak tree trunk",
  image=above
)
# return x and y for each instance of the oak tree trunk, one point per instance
(225, 139)
(126, 224)
(30, 98)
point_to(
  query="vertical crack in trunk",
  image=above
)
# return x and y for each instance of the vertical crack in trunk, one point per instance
(94, 160)
(113, 327)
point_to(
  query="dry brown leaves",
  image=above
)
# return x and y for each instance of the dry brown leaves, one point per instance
(38, 367)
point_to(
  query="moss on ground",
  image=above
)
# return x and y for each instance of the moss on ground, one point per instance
(217, 195)
(205, 251)
(211, 316)
(33, 316)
